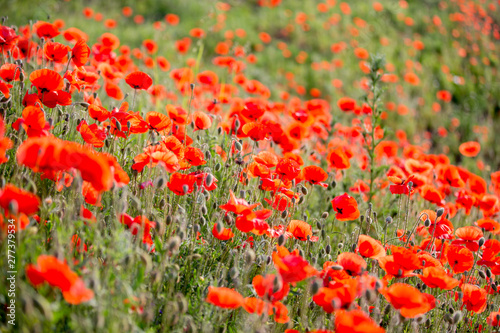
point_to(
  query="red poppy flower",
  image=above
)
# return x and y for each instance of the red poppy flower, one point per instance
(201, 121)
(56, 52)
(287, 168)
(346, 208)
(355, 321)
(369, 247)
(338, 159)
(470, 149)
(181, 184)
(459, 258)
(340, 295)
(488, 225)
(474, 298)
(270, 287)
(8, 38)
(92, 134)
(315, 175)
(352, 263)
(435, 277)
(5, 89)
(409, 300)
(468, 236)
(293, 268)
(224, 297)
(10, 72)
(139, 80)
(238, 206)
(301, 230)
(346, 104)
(25, 202)
(46, 30)
(224, 234)
(80, 53)
(57, 274)
(46, 80)
(158, 121)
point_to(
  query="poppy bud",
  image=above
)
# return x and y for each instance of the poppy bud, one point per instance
(481, 241)
(237, 145)
(268, 260)
(388, 220)
(174, 243)
(196, 228)
(439, 212)
(209, 180)
(249, 256)
(482, 274)
(119, 126)
(159, 182)
(301, 253)
(457, 316)
(340, 245)
(217, 167)
(333, 184)
(494, 287)
(13, 207)
(237, 125)
(208, 155)
(315, 287)
(324, 215)
(191, 86)
(328, 249)
(284, 214)
(204, 210)
(319, 225)
(219, 227)
(294, 200)
(410, 185)
(242, 193)
(233, 273)
(228, 219)
(304, 190)
(301, 200)
(488, 272)
(427, 223)
(219, 130)
(448, 317)
(362, 218)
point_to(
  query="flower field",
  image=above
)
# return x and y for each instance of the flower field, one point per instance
(250, 166)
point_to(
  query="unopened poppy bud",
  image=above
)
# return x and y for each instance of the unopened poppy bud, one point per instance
(174, 243)
(449, 318)
(333, 184)
(203, 221)
(460, 295)
(494, 287)
(427, 223)
(118, 126)
(336, 267)
(13, 207)
(249, 256)
(84, 104)
(340, 245)
(217, 167)
(219, 130)
(237, 125)
(284, 214)
(482, 274)
(388, 220)
(268, 260)
(228, 219)
(233, 272)
(488, 272)
(315, 287)
(196, 228)
(301, 253)
(301, 200)
(185, 188)
(328, 249)
(410, 185)
(324, 215)
(319, 225)
(481, 241)
(208, 155)
(219, 227)
(237, 145)
(304, 190)
(439, 212)
(159, 182)
(204, 210)
(209, 180)
(362, 218)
